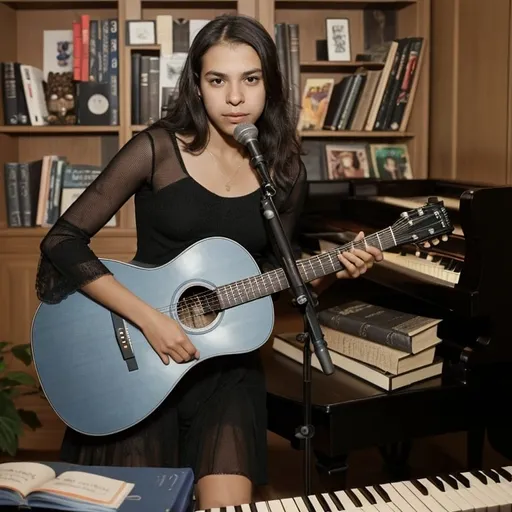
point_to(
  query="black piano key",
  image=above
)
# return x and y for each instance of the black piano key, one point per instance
(505, 474)
(325, 506)
(222, 509)
(452, 482)
(336, 501)
(420, 487)
(252, 506)
(480, 476)
(492, 475)
(238, 508)
(353, 498)
(435, 481)
(462, 479)
(368, 495)
(308, 504)
(382, 493)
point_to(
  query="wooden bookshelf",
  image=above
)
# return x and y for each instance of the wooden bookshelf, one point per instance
(413, 19)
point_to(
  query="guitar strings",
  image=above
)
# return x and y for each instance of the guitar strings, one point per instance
(209, 301)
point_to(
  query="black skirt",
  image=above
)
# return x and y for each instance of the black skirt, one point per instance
(214, 421)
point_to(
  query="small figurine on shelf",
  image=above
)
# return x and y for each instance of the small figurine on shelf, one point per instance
(60, 99)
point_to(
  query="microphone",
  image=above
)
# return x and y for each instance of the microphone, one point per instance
(247, 135)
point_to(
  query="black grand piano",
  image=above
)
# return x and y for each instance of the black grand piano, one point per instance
(466, 281)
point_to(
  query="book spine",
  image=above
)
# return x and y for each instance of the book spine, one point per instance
(24, 192)
(104, 52)
(371, 332)
(23, 117)
(93, 51)
(77, 50)
(9, 93)
(135, 83)
(12, 194)
(85, 24)
(113, 72)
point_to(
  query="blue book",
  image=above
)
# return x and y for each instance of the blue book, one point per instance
(77, 488)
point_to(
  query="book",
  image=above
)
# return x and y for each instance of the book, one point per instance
(77, 488)
(396, 329)
(287, 345)
(385, 358)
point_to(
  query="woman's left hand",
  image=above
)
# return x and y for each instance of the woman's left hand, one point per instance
(358, 261)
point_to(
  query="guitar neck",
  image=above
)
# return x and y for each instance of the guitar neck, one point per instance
(321, 265)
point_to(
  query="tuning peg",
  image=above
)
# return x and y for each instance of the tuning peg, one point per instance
(417, 254)
(426, 245)
(435, 241)
(444, 238)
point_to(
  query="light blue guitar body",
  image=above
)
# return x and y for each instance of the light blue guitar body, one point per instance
(80, 364)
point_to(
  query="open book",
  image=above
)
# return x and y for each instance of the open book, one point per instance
(36, 485)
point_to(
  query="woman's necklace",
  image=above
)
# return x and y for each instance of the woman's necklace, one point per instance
(227, 185)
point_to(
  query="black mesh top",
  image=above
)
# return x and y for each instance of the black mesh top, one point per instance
(173, 211)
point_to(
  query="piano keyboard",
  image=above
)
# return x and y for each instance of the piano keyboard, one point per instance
(445, 269)
(476, 491)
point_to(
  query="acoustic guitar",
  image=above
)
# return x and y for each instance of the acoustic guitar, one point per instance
(100, 374)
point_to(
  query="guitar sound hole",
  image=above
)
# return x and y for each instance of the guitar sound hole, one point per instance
(195, 305)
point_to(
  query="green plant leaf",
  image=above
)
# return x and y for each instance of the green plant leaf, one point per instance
(21, 378)
(30, 418)
(22, 353)
(9, 432)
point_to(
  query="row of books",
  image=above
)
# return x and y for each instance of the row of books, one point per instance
(367, 100)
(154, 78)
(390, 349)
(78, 64)
(39, 192)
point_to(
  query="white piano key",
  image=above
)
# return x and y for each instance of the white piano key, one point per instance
(382, 505)
(463, 494)
(316, 504)
(300, 504)
(231, 508)
(399, 501)
(480, 497)
(261, 506)
(289, 505)
(410, 497)
(427, 500)
(448, 498)
(275, 506)
(430, 500)
(493, 492)
(246, 508)
(504, 485)
(347, 503)
(366, 504)
(330, 502)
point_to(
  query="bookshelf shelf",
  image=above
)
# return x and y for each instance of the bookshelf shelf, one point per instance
(339, 66)
(61, 4)
(342, 4)
(50, 130)
(348, 134)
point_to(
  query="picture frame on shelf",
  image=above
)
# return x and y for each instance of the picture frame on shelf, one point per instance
(338, 40)
(348, 160)
(140, 32)
(391, 161)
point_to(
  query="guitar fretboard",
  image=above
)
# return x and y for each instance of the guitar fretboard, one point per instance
(274, 281)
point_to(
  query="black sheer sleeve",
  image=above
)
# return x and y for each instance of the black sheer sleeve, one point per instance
(67, 263)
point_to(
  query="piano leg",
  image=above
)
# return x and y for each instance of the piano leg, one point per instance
(332, 469)
(396, 456)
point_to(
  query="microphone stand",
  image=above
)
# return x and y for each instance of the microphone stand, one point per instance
(303, 299)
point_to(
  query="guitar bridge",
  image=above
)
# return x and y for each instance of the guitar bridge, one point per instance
(123, 340)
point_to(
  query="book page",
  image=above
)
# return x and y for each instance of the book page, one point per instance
(23, 477)
(77, 485)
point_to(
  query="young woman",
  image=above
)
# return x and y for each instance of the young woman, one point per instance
(192, 180)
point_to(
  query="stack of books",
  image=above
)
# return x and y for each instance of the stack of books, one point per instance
(388, 348)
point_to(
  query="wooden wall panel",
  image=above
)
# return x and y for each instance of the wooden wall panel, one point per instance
(469, 90)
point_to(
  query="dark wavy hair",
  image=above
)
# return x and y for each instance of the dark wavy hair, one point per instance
(277, 127)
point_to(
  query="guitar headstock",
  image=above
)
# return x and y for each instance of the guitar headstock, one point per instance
(428, 223)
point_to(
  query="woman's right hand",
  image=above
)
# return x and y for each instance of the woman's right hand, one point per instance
(168, 339)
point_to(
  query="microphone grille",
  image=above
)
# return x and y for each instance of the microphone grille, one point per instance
(244, 132)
